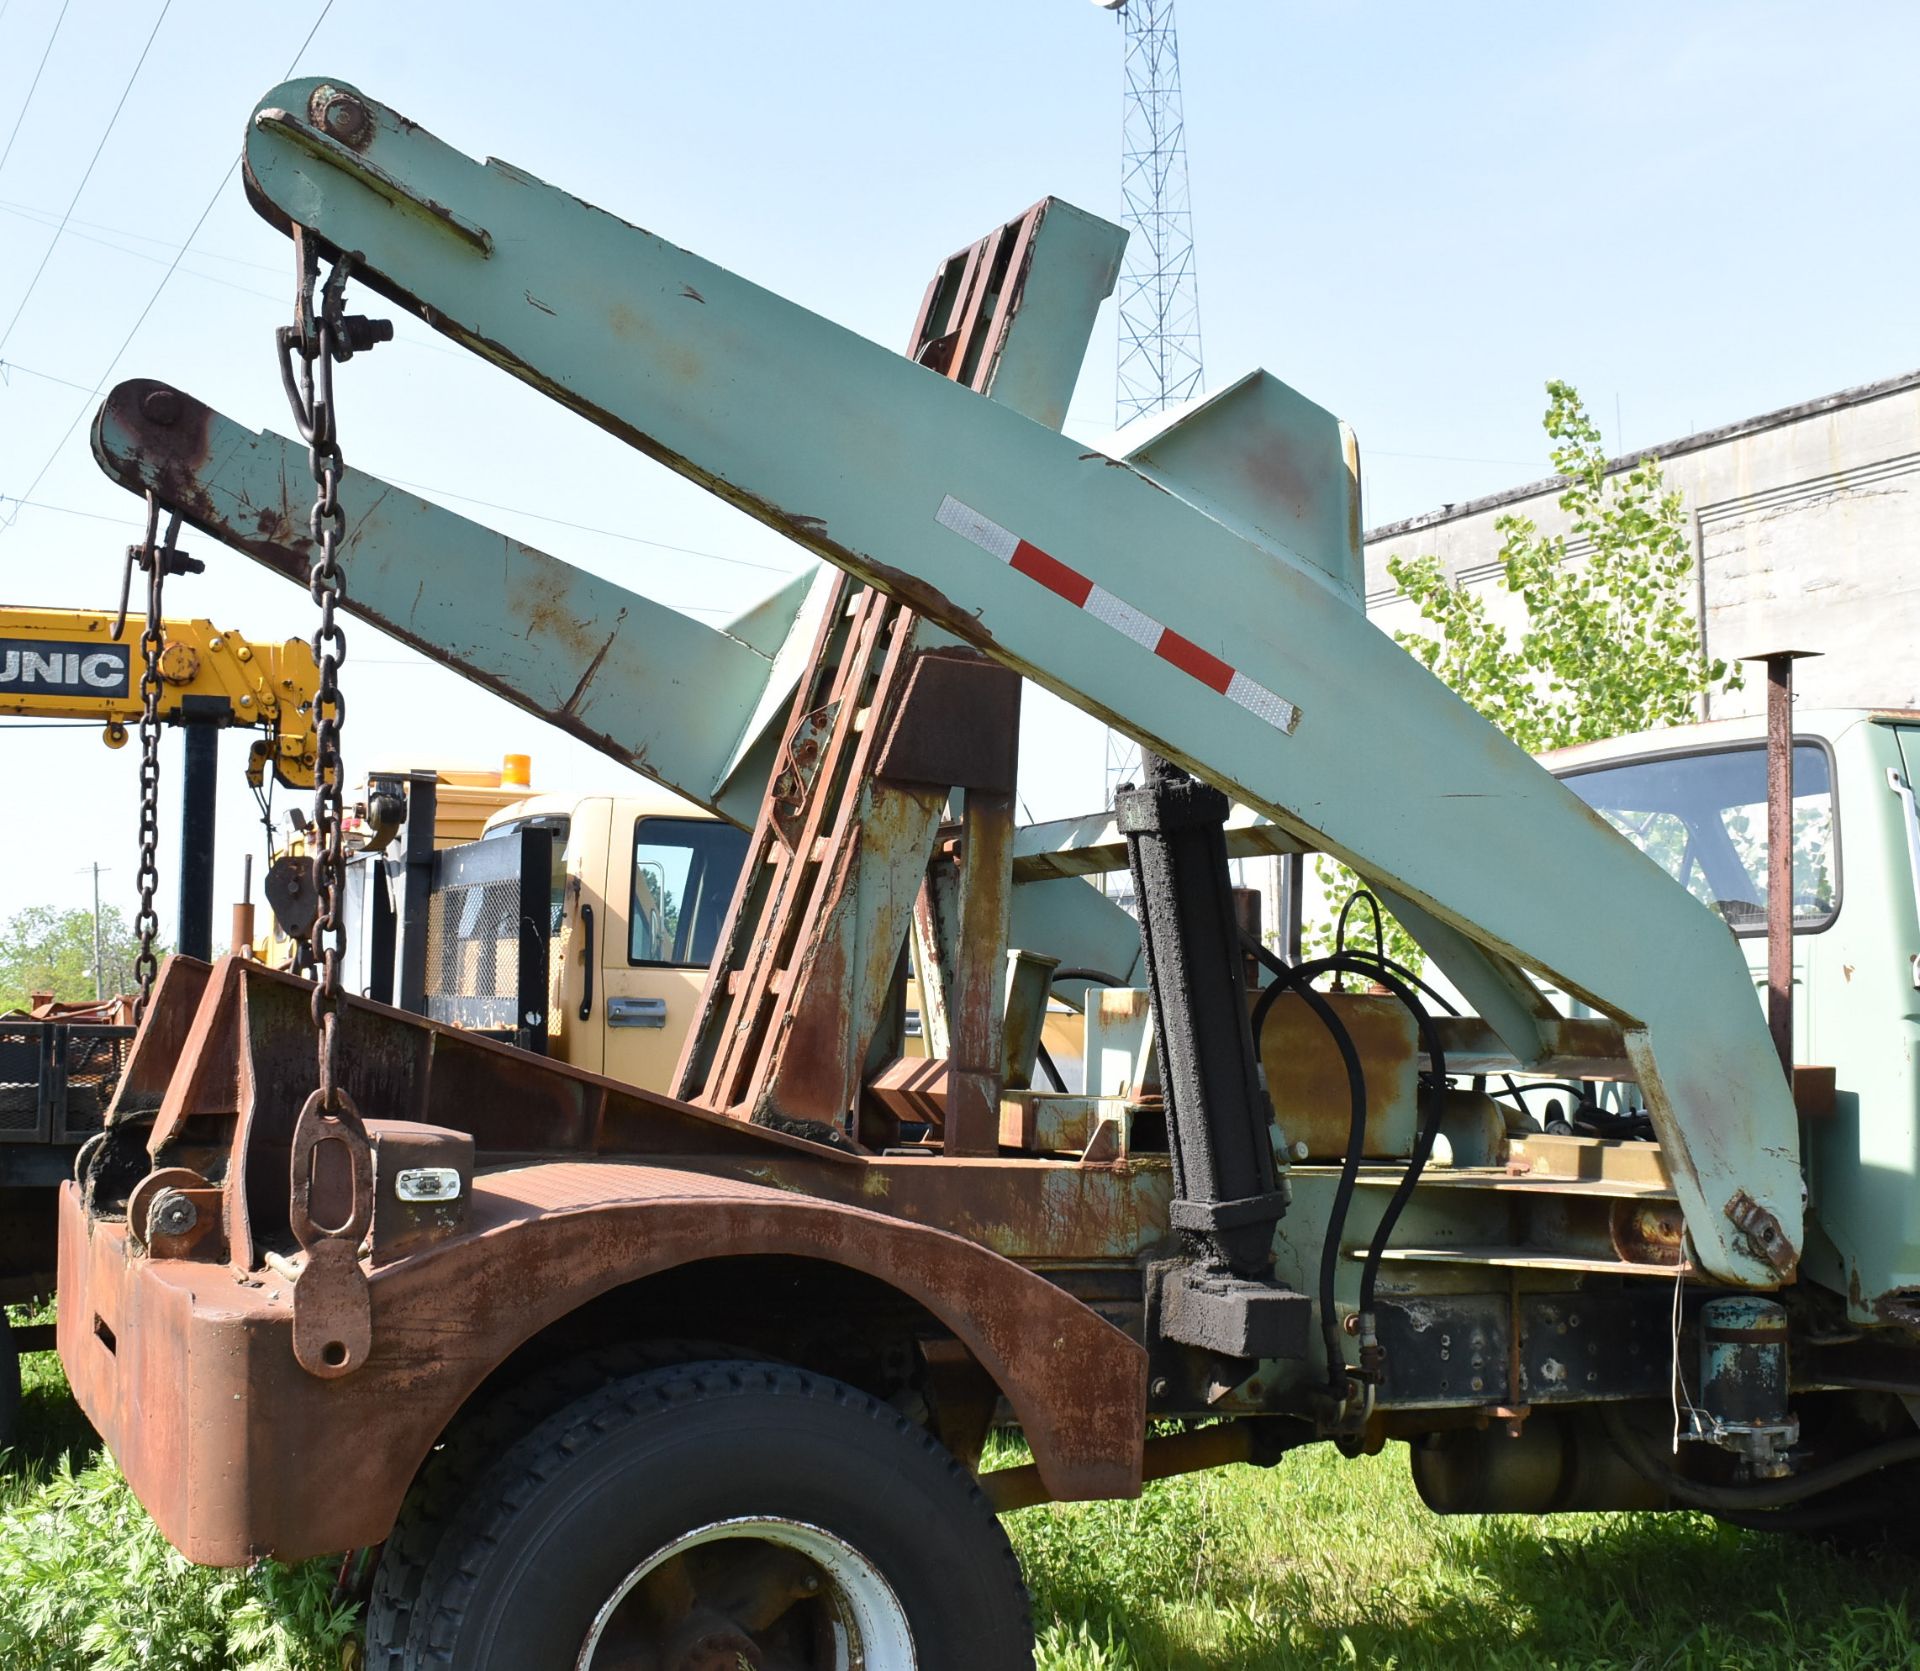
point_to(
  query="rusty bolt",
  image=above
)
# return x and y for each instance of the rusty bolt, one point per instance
(162, 407)
(347, 119)
(172, 1214)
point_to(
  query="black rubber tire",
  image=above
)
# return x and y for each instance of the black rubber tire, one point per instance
(488, 1427)
(557, 1525)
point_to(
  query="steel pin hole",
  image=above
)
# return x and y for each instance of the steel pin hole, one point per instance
(334, 1354)
(330, 1186)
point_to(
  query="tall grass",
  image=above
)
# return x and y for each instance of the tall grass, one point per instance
(1319, 1562)
(88, 1584)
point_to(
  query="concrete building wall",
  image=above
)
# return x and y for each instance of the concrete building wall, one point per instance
(1807, 537)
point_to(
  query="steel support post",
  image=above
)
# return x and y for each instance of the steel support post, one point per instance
(198, 782)
(1779, 664)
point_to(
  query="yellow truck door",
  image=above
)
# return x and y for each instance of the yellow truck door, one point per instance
(669, 882)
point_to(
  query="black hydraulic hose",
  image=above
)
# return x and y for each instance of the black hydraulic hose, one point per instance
(1360, 896)
(1768, 1494)
(1285, 979)
(1572, 1085)
(1447, 1008)
(1099, 977)
(1435, 1086)
(1436, 1089)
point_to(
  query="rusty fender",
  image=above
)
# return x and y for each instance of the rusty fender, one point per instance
(187, 1368)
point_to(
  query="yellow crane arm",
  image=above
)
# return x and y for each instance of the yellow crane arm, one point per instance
(67, 664)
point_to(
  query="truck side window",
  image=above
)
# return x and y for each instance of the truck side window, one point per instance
(684, 870)
(1703, 818)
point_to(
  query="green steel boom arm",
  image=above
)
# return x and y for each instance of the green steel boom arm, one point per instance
(1198, 595)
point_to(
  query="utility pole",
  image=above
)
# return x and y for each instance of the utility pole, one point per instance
(1159, 350)
(99, 949)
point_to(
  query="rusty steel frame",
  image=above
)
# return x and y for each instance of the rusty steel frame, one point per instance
(803, 1006)
(584, 1186)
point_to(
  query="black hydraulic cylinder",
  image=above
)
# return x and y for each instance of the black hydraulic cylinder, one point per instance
(197, 809)
(1226, 1195)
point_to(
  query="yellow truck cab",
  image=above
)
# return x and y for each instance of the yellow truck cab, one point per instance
(641, 885)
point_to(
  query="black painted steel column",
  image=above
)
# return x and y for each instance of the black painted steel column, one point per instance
(201, 739)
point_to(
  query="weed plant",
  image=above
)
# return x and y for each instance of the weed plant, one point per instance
(87, 1583)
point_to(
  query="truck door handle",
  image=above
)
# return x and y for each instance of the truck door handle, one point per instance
(636, 1012)
(586, 986)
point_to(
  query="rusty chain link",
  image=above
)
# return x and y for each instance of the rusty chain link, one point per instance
(146, 923)
(332, 1308)
(308, 349)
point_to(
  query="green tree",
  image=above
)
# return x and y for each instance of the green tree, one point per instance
(45, 949)
(1610, 643)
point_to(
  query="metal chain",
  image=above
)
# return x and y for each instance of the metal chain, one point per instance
(308, 349)
(146, 923)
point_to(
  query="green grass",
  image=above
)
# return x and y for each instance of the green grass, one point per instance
(88, 1584)
(1323, 1561)
(1317, 1562)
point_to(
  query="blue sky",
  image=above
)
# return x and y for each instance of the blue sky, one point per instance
(1415, 214)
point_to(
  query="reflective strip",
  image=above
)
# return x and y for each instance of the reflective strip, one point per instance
(1144, 630)
(969, 524)
(1068, 583)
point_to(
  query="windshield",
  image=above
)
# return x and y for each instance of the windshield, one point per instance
(1703, 818)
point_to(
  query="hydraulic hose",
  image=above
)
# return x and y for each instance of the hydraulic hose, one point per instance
(1769, 1494)
(1297, 977)
(1099, 977)
(1285, 979)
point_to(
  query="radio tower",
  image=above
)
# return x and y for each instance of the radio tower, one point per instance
(1159, 358)
(1159, 294)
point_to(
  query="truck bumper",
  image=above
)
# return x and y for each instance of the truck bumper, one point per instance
(187, 1370)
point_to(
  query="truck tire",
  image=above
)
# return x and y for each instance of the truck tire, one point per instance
(488, 1426)
(718, 1514)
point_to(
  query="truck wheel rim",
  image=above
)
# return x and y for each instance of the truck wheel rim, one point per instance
(673, 1608)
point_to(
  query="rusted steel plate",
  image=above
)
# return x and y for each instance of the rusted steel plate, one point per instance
(190, 1375)
(1307, 1080)
(161, 1036)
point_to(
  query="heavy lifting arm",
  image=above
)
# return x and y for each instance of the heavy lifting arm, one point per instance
(1199, 593)
(67, 664)
(700, 709)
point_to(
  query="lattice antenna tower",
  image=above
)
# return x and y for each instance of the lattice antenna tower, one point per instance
(1159, 362)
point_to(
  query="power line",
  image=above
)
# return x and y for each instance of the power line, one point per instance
(585, 528)
(172, 266)
(36, 79)
(158, 260)
(275, 297)
(46, 217)
(7, 366)
(514, 510)
(71, 510)
(32, 284)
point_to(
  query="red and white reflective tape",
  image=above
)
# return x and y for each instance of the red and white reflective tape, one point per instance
(1102, 605)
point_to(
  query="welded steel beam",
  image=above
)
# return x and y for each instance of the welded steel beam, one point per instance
(1211, 625)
